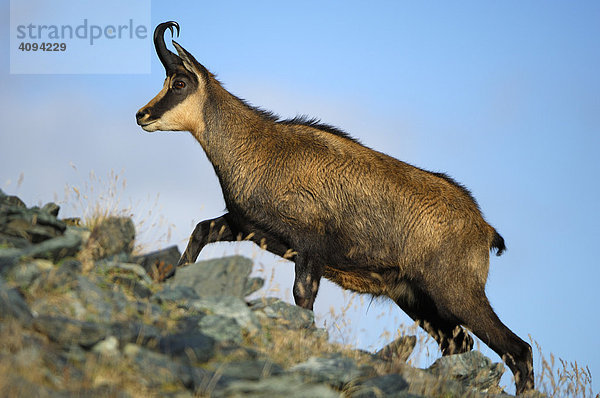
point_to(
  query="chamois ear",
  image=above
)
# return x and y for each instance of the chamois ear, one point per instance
(189, 62)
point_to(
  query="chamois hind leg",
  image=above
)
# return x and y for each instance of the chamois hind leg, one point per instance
(469, 304)
(306, 281)
(221, 230)
(450, 336)
(515, 352)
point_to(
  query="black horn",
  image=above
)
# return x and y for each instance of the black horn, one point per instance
(168, 59)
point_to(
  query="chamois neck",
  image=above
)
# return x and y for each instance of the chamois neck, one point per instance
(231, 131)
(225, 117)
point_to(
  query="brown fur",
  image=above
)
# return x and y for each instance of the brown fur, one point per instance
(360, 218)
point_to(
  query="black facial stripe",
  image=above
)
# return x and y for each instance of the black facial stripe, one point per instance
(173, 97)
(168, 101)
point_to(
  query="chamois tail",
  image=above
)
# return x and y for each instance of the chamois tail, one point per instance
(498, 243)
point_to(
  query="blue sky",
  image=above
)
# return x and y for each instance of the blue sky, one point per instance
(503, 96)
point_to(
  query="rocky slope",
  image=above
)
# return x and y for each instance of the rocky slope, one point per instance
(81, 316)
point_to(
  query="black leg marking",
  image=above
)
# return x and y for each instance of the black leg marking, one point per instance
(306, 281)
(221, 230)
(207, 231)
(450, 336)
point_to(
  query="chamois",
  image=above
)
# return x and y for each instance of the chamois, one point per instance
(308, 192)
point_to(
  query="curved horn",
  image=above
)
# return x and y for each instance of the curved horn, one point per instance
(168, 59)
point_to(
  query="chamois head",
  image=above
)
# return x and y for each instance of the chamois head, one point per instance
(177, 106)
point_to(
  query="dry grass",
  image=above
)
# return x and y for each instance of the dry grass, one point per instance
(99, 198)
(560, 378)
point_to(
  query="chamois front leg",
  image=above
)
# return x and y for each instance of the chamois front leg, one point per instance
(207, 231)
(306, 281)
(221, 230)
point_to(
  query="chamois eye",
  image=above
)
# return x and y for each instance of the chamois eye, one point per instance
(179, 85)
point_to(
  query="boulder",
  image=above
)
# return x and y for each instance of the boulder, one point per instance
(228, 307)
(389, 386)
(56, 249)
(161, 264)
(157, 370)
(226, 276)
(250, 369)
(286, 314)
(288, 386)
(194, 346)
(220, 328)
(175, 293)
(34, 224)
(13, 306)
(472, 369)
(112, 236)
(398, 350)
(335, 370)
(66, 331)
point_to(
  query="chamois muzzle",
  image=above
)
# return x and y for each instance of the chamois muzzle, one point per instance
(168, 59)
(142, 113)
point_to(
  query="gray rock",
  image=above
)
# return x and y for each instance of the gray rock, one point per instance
(120, 303)
(239, 352)
(286, 314)
(74, 354)
(135, 269)
(104, 390)
(9, 258)
(17, 386)
(111, 237)
(51, 208)
(398, 350)
(229, 307)
(151, 262)
(98, 301)
(109, 347)
(175, 293)
(253, 285)
(32, 359)
(67, 304)
(24, 274)
(14, 242)
(189, 323)
(335, 370)
(391, 385)
(12, 305)
(288, 386)
(7, 201)
(252, 369)
(150, 310)
(135, 287)
(56, 249)
(221, 328)
(66, 331)
(156, 369)
(219, 277)
(472, 369)
(135, 332)
(63, 276)
(424, 383)
(194, 346)
(101, 300)
(34, 224)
